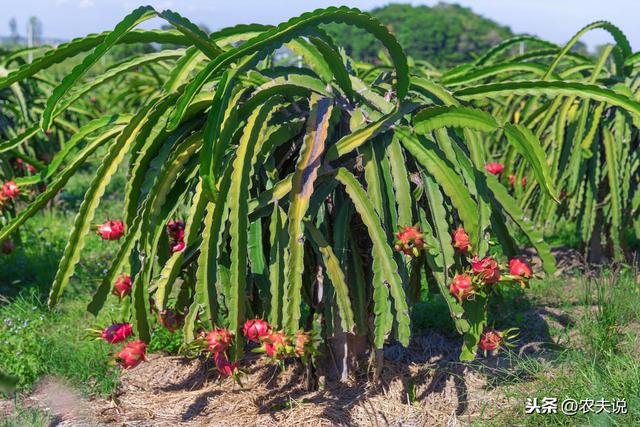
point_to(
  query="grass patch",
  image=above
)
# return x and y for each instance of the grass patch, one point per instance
(37, 341)
(600, 361)
(22, 417)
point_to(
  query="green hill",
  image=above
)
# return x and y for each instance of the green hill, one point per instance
(444, 35)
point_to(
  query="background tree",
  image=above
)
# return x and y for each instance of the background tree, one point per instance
(444, 35)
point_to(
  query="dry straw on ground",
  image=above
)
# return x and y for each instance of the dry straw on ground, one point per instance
(171, 391)
(176, 391)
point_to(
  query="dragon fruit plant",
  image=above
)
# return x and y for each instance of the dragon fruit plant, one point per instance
(26, 149)
(585, 111)
(291, 179)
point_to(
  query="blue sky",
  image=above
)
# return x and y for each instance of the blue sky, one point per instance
(555, 20)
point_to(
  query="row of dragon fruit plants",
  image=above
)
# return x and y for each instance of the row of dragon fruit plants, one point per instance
(272, 207)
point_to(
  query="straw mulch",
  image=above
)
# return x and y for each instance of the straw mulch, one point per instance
(174, 391)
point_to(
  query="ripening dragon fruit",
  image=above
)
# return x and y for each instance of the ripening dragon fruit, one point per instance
(116, 333)
(461, 240)
(132, 354)
(490, 340)
(18, 164)
(461, 287)
(10, 189)
(111, 230)
(487, 269)
(255, 329)
(512, 181)
(122, 286)
(494, 168)
(302, 343)
(219, 340)
(410, 241)
(275, 345)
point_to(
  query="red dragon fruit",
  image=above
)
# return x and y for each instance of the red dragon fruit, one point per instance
(20, 165)
(275, 345)
(461, 240)
(410, 241)
(116, 333)
(177, 246)
(111, 230)
(132, 354)
(219, 340)
(461, 287)
(122, 287)
(520, 268)
(10, 189)
(494, 168)
(255, 329)
(487, 269)
(224, 366)
(175, 229)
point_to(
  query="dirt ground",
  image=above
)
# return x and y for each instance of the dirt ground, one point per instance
(422, 385)
(169, 391)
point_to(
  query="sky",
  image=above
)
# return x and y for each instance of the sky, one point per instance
(554, 20)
